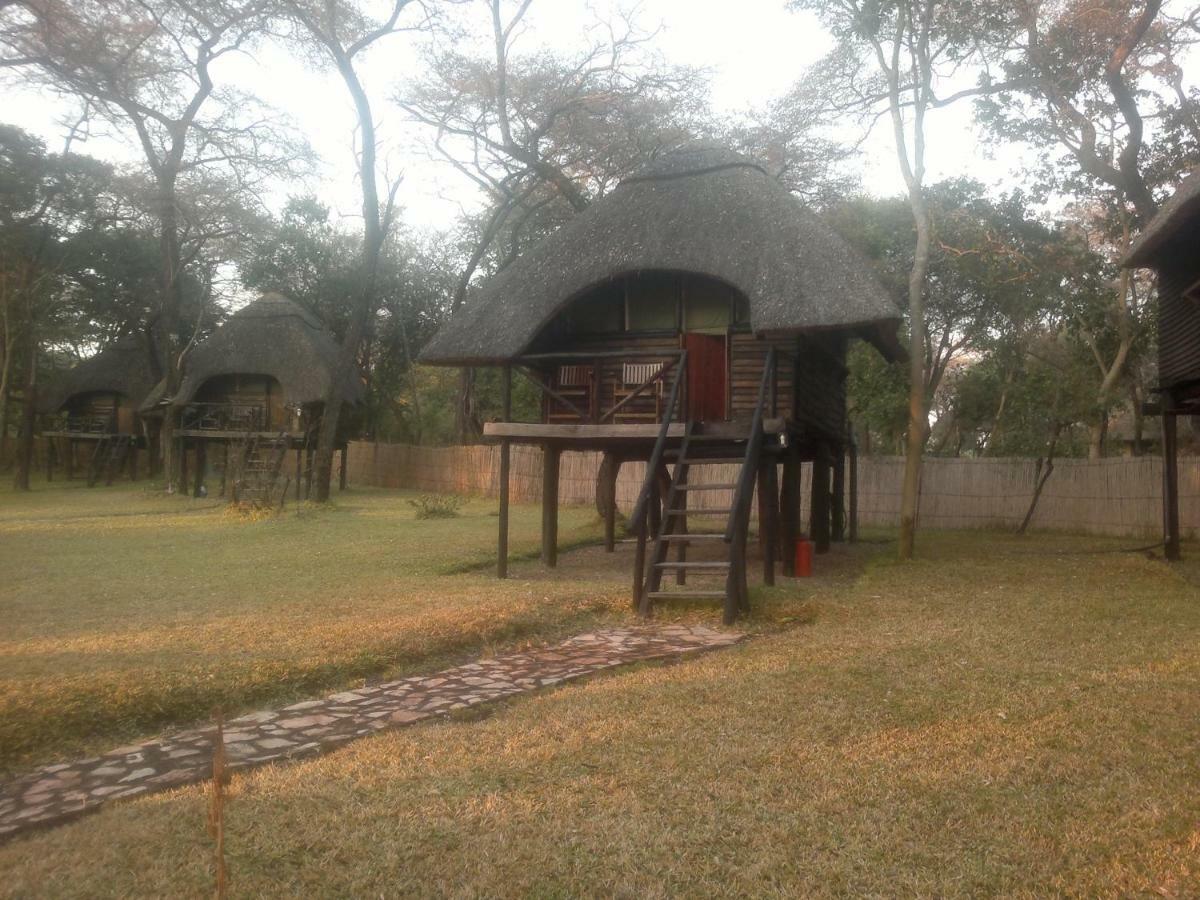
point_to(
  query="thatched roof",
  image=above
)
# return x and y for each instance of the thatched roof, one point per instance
(1175, 215)
(700, 209)
(124, 367)
(271, 336)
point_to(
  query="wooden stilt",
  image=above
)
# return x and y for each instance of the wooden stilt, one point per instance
(225, 470)
(550, 459)
(819, 510)
(502, 543)
(505, 468)
(201, 462)
(70, 459)
(133, 460)
(342, 474)
(308, 471)
(790, 511)
(299, 470)
(681, 527)
(610, 465)
(183, 465)
(837, 512)
(768, 518)
(1170, 483)
(853, 465)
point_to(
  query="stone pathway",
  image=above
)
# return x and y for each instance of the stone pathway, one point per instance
(56, 793)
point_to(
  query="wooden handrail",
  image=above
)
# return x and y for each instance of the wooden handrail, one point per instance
(745, 486)
(660, 444)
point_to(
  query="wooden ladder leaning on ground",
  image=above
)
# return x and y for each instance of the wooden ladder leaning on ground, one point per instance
(259, 467)
(110, 454)
(672, 531)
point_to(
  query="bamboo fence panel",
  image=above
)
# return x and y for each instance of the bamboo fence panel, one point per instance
(1119, 496)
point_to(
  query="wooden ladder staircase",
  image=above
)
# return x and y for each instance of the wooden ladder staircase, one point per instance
(672, 532)
(674, 535)
(111, 453)
(259, 468)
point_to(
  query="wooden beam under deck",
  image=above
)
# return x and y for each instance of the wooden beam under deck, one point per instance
(533, 432)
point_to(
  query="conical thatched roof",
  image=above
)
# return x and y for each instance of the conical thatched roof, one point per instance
(271, 336)
(701, 209)
(124, 367)
(1184, 206)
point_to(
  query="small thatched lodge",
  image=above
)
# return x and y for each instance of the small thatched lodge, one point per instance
(263, 377)
(697, 314)
(95, 405)
(1170, 244)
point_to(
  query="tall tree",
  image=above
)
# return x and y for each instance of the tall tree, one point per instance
(148, 66)
(1099, 89)
(343, 34)
(894, 60)
(542, 133)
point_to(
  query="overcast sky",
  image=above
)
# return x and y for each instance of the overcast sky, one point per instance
(754, 50)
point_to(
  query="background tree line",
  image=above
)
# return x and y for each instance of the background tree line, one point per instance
(1026, 337)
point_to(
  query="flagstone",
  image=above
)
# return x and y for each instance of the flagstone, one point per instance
(61, 791)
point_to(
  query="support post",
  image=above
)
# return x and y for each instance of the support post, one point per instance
(768, 517)
(790, 510)
(70, 459)
(1170, 484)
(299, 470)
(550, 459)
(50, 450)
(680, 524)
(838, 511)
(201, 461)
(609, 467)
(342, 467)
(853, 463)
(505, 466)
(183, 465)
(225, 470)
(819, 510)
(133, 460)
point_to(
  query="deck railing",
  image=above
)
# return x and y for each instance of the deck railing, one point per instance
(640, 520)
(226, 417)
(580, 401)
(87, 423)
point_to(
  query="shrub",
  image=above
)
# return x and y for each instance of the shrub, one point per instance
(436, 506)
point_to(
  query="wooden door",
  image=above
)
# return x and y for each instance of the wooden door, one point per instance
(706, 377)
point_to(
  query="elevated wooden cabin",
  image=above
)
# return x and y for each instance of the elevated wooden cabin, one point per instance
(256, 387)
(94, 410)
(697, 314)
(1170, 245)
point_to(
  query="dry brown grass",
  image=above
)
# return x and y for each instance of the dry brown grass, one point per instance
(1001, 718)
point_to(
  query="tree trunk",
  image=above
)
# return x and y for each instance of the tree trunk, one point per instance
(373, 237)
(168, 322)
(466, 418)
(917, 418)
(28, 418)
(1097, 432)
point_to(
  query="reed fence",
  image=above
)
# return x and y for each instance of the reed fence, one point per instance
(1120, 496)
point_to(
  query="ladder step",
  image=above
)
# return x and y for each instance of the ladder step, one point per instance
(706, 487)
(721, 566)
(698, 595)
(699, 512)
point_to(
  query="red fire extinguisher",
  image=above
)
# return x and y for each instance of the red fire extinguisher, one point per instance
(804, 556)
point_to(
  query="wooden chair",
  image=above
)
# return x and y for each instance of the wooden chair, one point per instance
(646, 406)
(573, 383)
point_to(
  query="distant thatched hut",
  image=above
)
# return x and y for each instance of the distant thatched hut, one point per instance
(703, 272)
(263, 376)
(1170, 244)
(95, 405)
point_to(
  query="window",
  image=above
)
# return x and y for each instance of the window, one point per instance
(599, 312)
(651, 303)
(707, 306)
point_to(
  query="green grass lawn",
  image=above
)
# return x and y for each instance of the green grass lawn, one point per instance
(1012, 717)
(125, 610)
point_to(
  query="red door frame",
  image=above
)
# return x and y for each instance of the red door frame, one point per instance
(707, 376)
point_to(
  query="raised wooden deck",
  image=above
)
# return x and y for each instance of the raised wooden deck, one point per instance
(589, 435)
